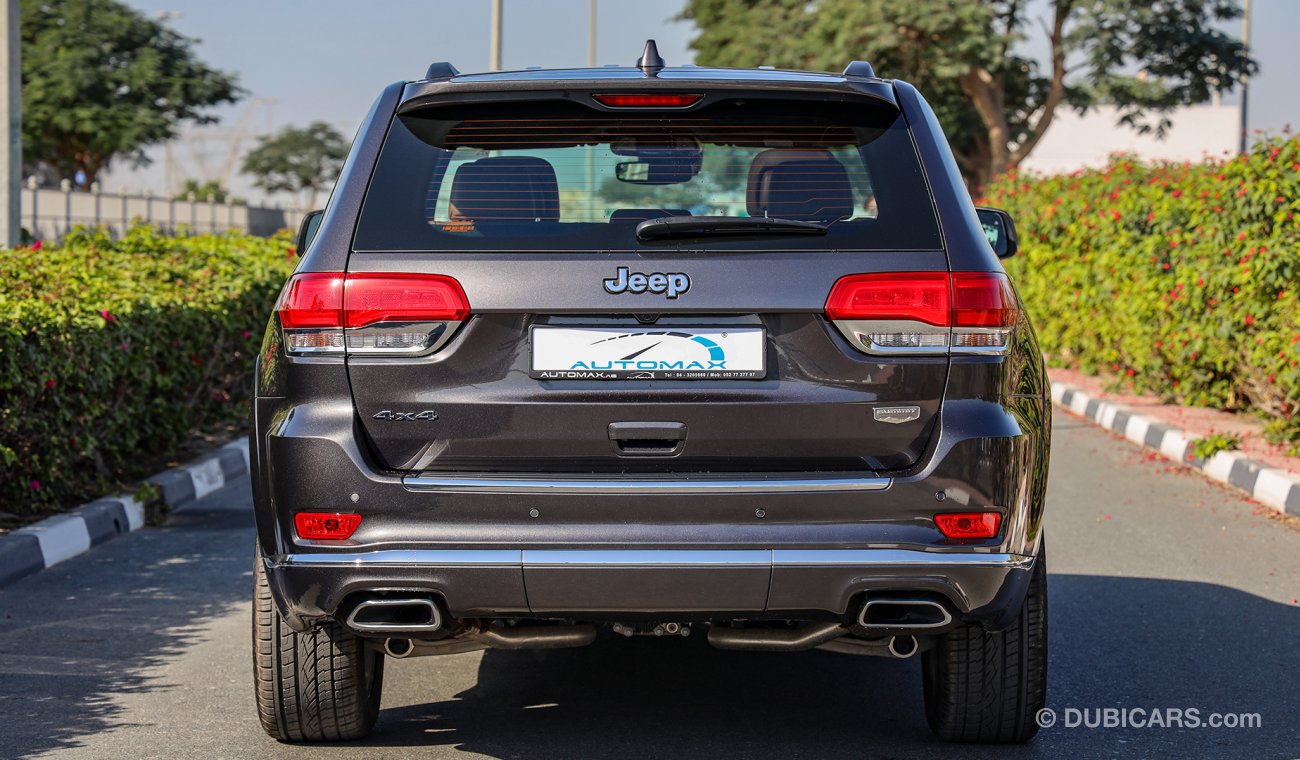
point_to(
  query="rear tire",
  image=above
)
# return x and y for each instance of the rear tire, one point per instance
(323, 684)
(988, 687)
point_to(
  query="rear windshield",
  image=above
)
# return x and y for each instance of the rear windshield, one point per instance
(564, 177)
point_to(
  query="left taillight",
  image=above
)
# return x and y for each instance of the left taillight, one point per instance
(386, 314)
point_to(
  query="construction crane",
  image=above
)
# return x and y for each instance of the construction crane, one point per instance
(191, 156)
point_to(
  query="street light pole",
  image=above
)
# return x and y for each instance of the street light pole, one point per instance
(494, 64)
(11, 101)
(591, 33)
(1245, 78)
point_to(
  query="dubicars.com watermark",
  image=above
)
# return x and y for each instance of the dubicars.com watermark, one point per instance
(1144, 717)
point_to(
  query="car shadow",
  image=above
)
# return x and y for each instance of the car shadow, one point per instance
(1116, 642)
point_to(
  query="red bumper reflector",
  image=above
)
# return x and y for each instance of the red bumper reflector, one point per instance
(968, 524)
(647, 100)
(326, 526)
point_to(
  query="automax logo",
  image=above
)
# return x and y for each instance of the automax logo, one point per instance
(638, 360)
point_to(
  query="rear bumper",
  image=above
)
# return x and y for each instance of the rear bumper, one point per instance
(778, 583)
(780, 545)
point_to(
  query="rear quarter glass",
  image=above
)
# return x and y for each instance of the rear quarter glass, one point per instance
(539, 177)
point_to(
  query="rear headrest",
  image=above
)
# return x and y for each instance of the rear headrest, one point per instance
(808, 185)
(519, 188)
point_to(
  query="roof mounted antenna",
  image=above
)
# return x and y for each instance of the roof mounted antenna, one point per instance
(441, 70)
(650, 62)
(860, 69)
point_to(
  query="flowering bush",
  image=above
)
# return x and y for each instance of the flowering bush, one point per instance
(111, 351)
(1179, 279)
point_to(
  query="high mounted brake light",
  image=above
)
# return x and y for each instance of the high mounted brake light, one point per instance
(393, 314)
(925, 312)
(647, 100)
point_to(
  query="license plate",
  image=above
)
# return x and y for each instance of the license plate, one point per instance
(648, 353)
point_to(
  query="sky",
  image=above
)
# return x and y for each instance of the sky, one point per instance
(326, 60)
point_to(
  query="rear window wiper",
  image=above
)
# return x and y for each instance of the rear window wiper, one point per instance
(665, 227)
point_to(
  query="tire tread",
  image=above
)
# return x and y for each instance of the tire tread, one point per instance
(310, 685)
(987, 686)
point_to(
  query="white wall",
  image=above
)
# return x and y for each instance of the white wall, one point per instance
(1075, 141)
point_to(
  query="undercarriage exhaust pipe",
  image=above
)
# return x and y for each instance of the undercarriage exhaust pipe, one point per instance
(903, 647)
(775, 639)
(475, 639)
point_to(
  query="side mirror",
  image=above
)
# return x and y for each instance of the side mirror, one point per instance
(1000, 230)
(307, 230)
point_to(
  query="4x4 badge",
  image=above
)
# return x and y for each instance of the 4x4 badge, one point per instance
(427, 414)
(671, 284)
(896, 415)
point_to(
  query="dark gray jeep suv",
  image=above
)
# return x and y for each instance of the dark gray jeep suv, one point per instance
(649, 350)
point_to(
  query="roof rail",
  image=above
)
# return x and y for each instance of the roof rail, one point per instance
(860, 69)
(441, 70)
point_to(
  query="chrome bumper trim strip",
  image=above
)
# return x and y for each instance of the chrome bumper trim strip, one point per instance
(875, 557)
(864, 558)
(737, 483)
(647, 557)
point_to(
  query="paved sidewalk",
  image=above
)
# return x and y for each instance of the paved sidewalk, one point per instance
(1148, 423)
(1198, 420)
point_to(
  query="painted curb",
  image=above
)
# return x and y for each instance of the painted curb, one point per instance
(52, 540)
(1271, 486)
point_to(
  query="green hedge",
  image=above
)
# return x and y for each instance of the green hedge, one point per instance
(1176, 279)
(113, 352)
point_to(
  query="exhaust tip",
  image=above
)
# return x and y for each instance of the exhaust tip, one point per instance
(903, 647)
(905, 614)
(398, 648)
(394, 615)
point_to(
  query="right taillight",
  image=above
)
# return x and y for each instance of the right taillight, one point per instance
(385, 314)
(924, 312)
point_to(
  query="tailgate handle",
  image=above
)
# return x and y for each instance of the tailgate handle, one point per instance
(647, 439)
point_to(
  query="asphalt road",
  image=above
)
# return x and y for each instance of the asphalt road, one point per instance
(1166, 592)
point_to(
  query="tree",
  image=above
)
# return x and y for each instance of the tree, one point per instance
(204, 190)
(1144, 56)
(297, 160)
(102, 81)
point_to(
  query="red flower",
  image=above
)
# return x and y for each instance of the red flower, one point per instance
(107, 315)
(50, 383)
(36, 485)
(245, 334)
(36, 247)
